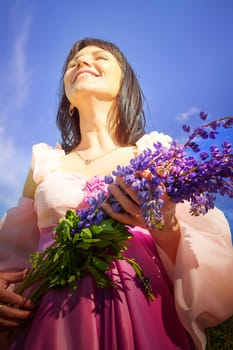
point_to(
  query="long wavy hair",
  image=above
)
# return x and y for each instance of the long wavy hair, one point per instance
(127, 119)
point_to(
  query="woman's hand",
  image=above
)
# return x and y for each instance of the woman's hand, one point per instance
(14, 308)
(130, 204)
(167, 238)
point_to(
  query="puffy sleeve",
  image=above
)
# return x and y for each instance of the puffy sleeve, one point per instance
(19, 232)
(148, 140)
(19, 235)
(203, 278)
(202, 274)
(44, 160)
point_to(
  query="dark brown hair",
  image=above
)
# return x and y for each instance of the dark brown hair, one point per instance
(127, 119)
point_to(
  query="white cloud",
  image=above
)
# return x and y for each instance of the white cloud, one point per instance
(15, 76)
(184, 116)
(15, 80)
(19, 77)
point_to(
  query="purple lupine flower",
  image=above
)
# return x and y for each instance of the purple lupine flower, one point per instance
(204, 155)
(196, 178)
(203, 115)
(186, 128)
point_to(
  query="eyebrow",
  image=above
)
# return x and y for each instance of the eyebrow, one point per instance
(76, 57)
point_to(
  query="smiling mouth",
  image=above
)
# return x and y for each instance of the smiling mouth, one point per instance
(85, 74)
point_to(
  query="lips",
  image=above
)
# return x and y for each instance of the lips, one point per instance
(84, 72)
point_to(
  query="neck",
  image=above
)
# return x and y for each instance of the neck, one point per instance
(94, 127)
(96, 141)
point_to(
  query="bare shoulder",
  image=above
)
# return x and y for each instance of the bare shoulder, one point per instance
(29, 186)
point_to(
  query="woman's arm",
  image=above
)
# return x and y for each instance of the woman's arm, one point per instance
(18, 225)
(29, 186)
(168, 238)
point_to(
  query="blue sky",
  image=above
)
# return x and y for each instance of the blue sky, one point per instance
(181, 50)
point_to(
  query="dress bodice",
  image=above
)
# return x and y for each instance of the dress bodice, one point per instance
(59, 190)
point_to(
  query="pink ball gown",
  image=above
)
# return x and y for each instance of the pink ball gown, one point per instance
(123, 318)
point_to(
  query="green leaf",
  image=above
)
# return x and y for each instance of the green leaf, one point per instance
(96, 229)
(56, 257)
(76, 237)
(101, 279)
(145, 281)
(70, 257)
(106, 225)
(83, 245)
(63, 231)
(92, 240)
(100, 264)
(102, 243)
(86, 233)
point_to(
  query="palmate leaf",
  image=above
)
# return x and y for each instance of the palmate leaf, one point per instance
(91, 251)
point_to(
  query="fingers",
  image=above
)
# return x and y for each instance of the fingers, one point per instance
(121, 217)
(13, 312)
(14, 308)
(128, 201)
(12, 317)
(12, 277)
(128, 189)
(11, 298)
(168, 203)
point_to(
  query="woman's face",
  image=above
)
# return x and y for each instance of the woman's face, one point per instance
(93, 71)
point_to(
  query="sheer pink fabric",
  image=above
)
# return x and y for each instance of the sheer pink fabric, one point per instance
(202, 275)
(203, 279)
(19, 235)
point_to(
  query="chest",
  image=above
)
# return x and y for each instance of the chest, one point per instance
(101, 166)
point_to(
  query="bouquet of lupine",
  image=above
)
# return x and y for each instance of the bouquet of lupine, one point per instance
(87, 241)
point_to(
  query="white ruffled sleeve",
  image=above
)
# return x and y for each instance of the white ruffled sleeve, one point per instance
(203, 278)
(148, 140)
(44, 160)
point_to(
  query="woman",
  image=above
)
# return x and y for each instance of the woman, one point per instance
(101, 121)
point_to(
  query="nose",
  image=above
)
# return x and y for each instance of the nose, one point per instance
(83, 61)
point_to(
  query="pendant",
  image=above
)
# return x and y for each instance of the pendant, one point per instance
(88, 161)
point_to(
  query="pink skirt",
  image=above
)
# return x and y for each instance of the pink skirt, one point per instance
(109, 319)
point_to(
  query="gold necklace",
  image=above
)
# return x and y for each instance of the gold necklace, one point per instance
(89, 161)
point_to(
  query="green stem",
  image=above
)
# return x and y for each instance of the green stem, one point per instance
(38, 292)
(35, 275)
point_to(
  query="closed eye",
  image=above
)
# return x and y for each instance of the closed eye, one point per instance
(71, 65)
(101, 58)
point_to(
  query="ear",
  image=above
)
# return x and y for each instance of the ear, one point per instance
(71, 110)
